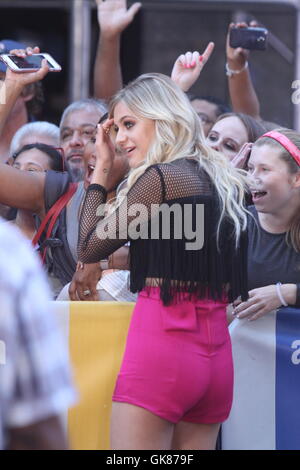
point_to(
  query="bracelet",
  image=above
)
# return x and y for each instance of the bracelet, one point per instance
(280, 296)
(230, 72)
(104, 264)
(79, 266)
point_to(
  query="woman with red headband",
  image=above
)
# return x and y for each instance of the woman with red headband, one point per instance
(274, 232)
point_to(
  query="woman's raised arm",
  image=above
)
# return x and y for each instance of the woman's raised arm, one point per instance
(20, 189)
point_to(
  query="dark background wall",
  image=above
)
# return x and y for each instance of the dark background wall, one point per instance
(49, 29)
(162, 30)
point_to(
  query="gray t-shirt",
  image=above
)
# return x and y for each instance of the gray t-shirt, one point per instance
(270, 258)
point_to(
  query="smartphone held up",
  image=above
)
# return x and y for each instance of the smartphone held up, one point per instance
(252, 38)
(30, 63)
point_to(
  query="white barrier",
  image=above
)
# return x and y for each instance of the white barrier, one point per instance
(265, 412)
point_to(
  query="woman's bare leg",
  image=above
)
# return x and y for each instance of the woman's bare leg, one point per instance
(194, 436)
(133, 427)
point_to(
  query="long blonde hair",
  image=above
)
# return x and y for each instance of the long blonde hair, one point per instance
(293, 234)
(179, 134)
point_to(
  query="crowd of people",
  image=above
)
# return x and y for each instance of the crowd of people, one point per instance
(223, 171)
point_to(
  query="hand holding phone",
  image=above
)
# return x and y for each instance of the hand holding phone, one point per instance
(29, 63)
(251, 38)
(16, 81)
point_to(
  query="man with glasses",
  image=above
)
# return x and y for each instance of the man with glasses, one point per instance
(208, 110)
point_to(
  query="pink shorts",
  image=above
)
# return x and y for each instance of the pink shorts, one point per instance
(178, 361)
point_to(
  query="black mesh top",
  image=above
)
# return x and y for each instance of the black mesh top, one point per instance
(181, 250)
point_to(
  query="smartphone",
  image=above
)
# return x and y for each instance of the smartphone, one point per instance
(249, 38)
(30, 63)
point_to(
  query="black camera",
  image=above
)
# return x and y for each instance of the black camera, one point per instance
(249, 38)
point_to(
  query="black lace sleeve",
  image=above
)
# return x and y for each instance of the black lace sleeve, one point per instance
(99, 236)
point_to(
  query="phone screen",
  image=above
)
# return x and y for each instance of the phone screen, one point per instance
(29, 62)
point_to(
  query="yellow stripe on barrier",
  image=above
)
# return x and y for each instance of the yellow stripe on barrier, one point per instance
(97, 336)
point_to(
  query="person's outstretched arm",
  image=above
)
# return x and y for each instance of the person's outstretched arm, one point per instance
(242, 93)
(113, 18)
(24, 190)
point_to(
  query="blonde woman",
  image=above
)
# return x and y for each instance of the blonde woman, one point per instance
(182, 211)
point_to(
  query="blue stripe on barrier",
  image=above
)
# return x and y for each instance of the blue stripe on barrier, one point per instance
(287, 392)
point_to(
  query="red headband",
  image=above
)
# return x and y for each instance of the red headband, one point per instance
(286, 143)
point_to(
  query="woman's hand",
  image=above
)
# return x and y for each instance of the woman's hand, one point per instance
(21, 79)
(263, 300)
(14, 84)
(105, 153)
(188, 66)
(241, 158)
(113, 16)
(84, 283)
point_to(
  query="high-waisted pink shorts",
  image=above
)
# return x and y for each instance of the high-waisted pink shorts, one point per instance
(178, 362)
